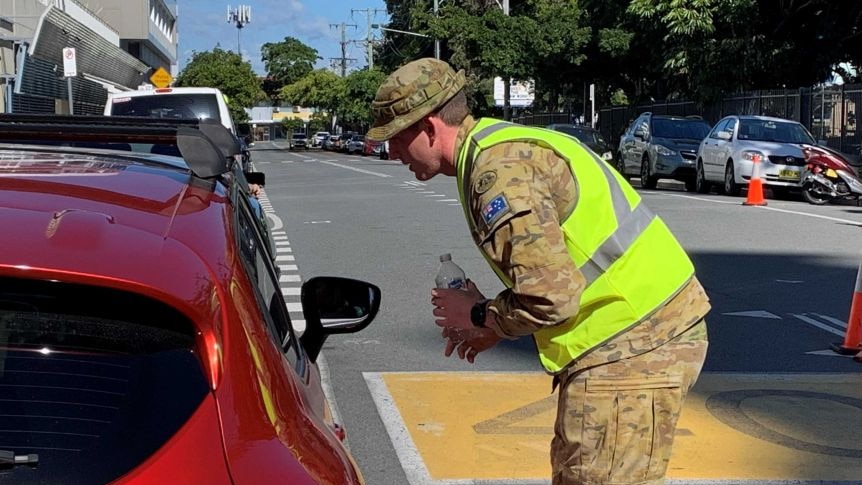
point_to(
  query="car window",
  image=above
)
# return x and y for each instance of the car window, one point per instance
(167, 106)
(299, 136)
(587, 136)
(267, 291)
(94, 380)
(680, 128)
(721, 126)
(643, 125)
(773, 131)
(731, 126)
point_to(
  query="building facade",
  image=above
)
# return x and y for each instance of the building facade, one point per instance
(118, 44)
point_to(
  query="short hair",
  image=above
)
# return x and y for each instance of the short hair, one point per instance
(453, 112)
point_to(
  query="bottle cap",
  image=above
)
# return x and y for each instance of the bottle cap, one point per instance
(445, 257)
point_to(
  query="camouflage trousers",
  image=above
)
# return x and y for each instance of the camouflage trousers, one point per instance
(615, 422)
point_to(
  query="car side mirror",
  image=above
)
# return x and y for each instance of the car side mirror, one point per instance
(258, 178)
(724, 135)
(822, 143)
(333, 305)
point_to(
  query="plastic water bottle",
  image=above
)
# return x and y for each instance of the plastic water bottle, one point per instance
(450, 275)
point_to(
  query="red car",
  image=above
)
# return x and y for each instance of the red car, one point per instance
(143, 335)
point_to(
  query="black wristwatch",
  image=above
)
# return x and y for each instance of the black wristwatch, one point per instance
(479, 312)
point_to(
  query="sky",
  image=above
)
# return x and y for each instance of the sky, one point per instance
(202, 24)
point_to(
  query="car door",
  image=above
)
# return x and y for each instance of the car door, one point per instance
(627, 143)
(641, 138)
(708, 149)
(724, 148)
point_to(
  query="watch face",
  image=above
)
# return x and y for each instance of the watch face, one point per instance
(478, 312)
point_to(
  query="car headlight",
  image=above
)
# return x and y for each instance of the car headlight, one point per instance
(753, 156)
(607, 156)
(664, 151)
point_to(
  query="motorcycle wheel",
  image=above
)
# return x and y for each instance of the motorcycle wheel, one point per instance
(813, 197)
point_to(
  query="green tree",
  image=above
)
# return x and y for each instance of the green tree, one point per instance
(319, 89)
(287, 62)
(226, 71)
(359, 90)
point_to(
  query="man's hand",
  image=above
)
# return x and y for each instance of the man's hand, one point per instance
(452, 307)
(469, 342)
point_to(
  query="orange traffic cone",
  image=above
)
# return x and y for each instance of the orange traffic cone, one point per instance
(853, 338)
(755, 186)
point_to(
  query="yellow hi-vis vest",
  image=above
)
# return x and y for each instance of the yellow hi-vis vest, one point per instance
(631, 261)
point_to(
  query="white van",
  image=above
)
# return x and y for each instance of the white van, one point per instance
(171, 103)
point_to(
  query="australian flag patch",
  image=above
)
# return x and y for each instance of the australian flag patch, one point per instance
(495, 208)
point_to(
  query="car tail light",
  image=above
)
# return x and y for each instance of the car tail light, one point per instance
(164, 90)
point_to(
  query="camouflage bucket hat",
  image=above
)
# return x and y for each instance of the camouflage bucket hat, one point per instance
(411, 93)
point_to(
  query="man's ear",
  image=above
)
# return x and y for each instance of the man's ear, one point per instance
(431, 125)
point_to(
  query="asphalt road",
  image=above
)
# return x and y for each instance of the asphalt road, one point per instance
(780, 278)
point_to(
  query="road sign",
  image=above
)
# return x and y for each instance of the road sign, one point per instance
(70, 64)
(161, 78)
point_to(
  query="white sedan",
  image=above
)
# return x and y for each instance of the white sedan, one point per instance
(728, 154)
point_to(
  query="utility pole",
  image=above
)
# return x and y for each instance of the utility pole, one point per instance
(240, 16)
(507, 83)
(436, 40)
(343, 59)
(369, 38)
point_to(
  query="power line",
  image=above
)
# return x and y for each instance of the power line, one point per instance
(369, 38)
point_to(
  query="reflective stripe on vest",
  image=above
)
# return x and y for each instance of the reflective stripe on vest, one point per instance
(630, 260)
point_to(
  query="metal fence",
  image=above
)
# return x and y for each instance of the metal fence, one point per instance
(828, 112)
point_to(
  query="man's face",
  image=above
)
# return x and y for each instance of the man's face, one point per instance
(413, 147)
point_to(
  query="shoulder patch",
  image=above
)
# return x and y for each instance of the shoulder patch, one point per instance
(495, 208)
(485, 181)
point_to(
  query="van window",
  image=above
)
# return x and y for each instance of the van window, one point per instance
(167, 106)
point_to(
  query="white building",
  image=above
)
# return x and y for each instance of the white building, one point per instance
(118, 44)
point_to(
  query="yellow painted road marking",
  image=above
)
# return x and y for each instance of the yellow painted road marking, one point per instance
(498, 426)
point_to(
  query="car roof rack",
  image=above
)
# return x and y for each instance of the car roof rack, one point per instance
(205, 145)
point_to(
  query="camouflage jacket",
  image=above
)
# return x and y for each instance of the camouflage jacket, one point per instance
(529, 247)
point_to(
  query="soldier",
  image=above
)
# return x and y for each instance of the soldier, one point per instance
(598, 280)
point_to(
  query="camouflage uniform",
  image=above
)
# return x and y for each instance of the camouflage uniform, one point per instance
(619, 403)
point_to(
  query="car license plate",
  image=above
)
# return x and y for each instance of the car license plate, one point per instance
(788, 174)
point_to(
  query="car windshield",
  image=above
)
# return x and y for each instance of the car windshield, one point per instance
(167, 106)
(297, 136)
(587, 136)
(680, 129)
(774, 131)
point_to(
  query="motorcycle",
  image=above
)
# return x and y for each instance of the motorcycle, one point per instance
(827, 176)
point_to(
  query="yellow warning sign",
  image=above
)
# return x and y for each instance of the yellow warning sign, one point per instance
(161, 78)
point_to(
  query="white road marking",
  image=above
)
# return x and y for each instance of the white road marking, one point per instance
(436, 195)
(291, 291)
(369, 172)
(837, 322)
(786, 211)
(294, 307)
(819, 325)
(283, 250)
(753, 314)
(284, 257)
(449, 200)
(289, 278)
(827, 353)
(288, 267)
